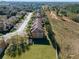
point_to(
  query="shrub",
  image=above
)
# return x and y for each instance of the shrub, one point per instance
(16, 49)
(76, 19)
(11, 51)
(63, 13)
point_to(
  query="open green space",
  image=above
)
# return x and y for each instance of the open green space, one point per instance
(36, 52)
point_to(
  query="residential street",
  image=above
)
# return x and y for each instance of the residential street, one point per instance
(20, 29)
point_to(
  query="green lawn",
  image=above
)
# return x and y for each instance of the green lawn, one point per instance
(37, 52)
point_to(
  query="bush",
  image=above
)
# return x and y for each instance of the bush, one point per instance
(16, 49)
(11, 51)
(46, 22)
(63, 13)
(19, 50)
(76, 19)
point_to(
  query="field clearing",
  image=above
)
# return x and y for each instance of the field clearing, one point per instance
(66, 34)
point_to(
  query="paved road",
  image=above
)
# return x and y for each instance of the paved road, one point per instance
(19, 30)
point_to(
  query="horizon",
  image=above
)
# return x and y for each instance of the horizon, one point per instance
(39, 1)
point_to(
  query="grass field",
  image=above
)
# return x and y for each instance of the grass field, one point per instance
(37, 52)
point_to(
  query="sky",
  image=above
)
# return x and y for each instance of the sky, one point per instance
(44, 0)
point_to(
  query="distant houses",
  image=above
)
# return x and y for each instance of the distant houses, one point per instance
(2, 46)
(3, 23)
(7, 24)
(37, 27)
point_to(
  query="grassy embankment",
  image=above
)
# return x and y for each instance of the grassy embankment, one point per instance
(66, 32)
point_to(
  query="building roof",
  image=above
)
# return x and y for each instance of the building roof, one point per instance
(39, 30)
(37, 25)
(38, 15)
(37, 22)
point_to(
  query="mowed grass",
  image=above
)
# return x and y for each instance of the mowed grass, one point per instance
(37, 52)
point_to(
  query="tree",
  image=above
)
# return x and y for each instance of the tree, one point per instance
(76, 19)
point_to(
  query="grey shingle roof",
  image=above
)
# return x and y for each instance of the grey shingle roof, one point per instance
(38, 15)
(37, 25)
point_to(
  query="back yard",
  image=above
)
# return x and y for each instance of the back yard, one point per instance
(37, 52)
